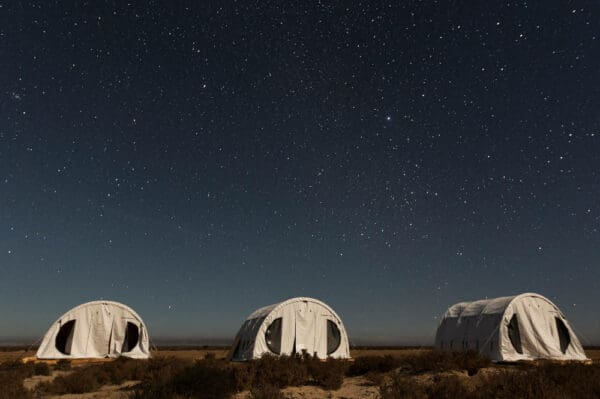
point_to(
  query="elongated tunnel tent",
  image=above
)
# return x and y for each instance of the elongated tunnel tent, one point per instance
(523, 327)
(294, 326)
(96, 329)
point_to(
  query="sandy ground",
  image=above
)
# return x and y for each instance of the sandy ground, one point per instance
(106, 392)
(31, 382)
(352, 388)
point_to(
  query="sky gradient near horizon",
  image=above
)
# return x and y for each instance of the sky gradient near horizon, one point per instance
(389, 158)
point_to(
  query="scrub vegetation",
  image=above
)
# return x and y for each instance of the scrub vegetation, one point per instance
(12, 374)
(412, 374)
(540, 381)
(210, 378)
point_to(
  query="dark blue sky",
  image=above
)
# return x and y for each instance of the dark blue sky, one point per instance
(199, 161)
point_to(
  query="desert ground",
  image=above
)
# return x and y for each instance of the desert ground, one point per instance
(353, 387)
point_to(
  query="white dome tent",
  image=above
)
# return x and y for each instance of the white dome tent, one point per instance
(523, 327)
(96, 329)
(296, 325)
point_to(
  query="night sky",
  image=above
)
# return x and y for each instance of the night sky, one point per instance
(390, 158)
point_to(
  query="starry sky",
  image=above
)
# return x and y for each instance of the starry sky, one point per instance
(197, 160)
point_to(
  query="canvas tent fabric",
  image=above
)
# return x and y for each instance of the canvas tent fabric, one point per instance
(523, 327)
(296, 325)
(96, 329)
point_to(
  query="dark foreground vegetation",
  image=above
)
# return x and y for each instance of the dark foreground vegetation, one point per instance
(422, 375)
(542, 381)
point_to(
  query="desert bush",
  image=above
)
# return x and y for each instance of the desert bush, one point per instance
(266, 392)
(41, 369)
(18, 367)
(373, 364)
(430, 361)
(401, 386)
(518, 384)
(122, 369)
(202, 380)
(78, 382)
(160, 370)
(576, 380)
(293, 370)
(545, 381)
(12, 374)
(438, 361)
(374, 378)
(327, 374)
(63, 365)
(448, 387)
(244, 376)
(280, 371)
(92, 377)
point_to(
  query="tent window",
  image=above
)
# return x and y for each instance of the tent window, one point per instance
(334, 337)
(65, 337)
(273, 336)
(132, 336)
(514, 334)
(563, 335)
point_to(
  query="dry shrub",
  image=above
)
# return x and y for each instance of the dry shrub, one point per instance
(159, 373)
(279, 371)
(92, 377)
(205, 379)
(448, 387)
(546, 381)
(327, 374)
(402, 387)
(576, 380)
(80, 382)
(520, 384)
(244, 376)
(296, 370)
(550, 381)
(41, 369)
(266, 392)
(63, 365)
(438, 361)
(431, 361)
(373, 364)
(12, 375)
(375, 378)
(124, 369)
(160, 370)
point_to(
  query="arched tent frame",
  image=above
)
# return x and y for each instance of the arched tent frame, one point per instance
(523, 327)
(100, 329)
(295, 313)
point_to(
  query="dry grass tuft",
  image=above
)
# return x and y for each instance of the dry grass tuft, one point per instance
(544, 381)
(12, 374)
